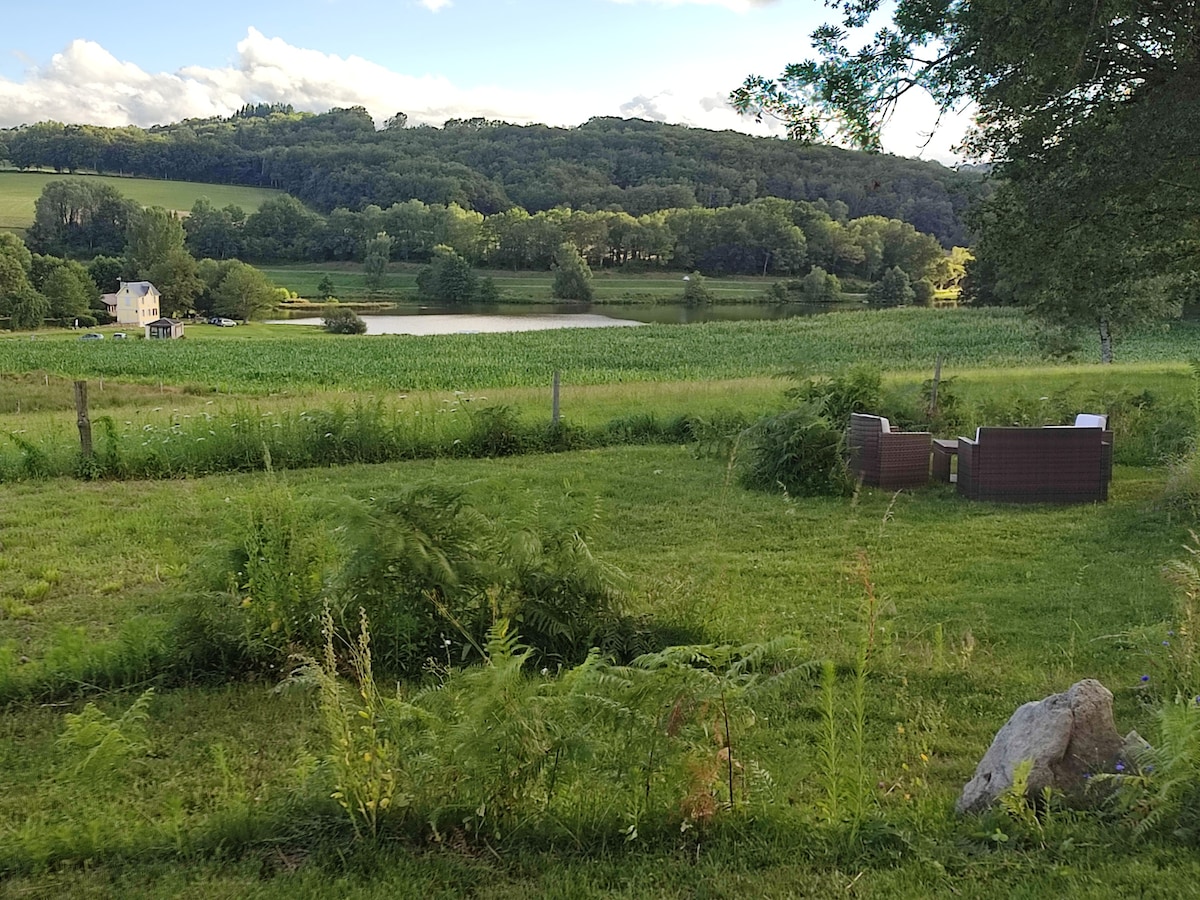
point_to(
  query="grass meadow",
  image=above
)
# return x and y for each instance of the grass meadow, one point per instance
(841, 779)
(400, 284)
(19, 192)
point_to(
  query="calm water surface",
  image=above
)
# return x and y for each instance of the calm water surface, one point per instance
(534, 317)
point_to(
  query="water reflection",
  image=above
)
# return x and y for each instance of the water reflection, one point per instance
(469, 319)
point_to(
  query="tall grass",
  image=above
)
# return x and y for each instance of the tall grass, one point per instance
(249, 437)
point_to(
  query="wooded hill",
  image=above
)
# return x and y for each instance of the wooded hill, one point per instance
(339, 159)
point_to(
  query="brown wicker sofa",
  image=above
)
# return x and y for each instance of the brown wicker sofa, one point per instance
(1036, 465)
(885, 458)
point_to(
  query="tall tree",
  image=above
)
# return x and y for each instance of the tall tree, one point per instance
(1089, 120)
(214, 233)
(152, 235)
(243, 293)
(68, 292)
(16, 263)
(155, 252)
(448, 278)
(27, 308)
(375, 261)
(572, 277)
(80, 217)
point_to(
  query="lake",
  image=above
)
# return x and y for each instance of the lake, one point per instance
(534, 317)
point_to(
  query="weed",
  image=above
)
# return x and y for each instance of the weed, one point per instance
(798, 451)
(105, 746)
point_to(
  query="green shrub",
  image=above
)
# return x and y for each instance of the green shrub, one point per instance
(818, 286)
(893, 289)
(923, 293)
(448, 278)
(344, 321)
(855, 390)
(498, 431)
(695, 290)
(798, 451)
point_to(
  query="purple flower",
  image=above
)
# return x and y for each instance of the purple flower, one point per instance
(1145, 678)
(1148, 769)
(1166, 643)
(1120, 766)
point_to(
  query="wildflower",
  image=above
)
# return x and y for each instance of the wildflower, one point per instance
(1145, 678)
(1148, 769)
(1166, 643)
(1120, 766)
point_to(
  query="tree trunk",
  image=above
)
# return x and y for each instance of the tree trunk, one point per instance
(1106, 353)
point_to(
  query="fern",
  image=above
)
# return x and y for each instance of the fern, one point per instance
(107, 746)
(1171, 782)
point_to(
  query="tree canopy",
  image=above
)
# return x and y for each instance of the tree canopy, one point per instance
(1088, 110)
(337, 159)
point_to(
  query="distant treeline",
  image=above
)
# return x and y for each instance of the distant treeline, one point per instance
(81, 218)
(338, 160)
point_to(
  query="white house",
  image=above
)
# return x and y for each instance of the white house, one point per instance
(137, 303)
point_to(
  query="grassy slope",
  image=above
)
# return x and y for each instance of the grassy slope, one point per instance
(20, 190)
(1028, 600)
(1020, 603)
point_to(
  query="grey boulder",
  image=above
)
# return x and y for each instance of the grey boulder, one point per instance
(1066, 737)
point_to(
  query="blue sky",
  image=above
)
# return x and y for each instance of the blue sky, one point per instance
(554, 61)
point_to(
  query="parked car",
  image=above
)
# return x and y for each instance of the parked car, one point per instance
(119, 336)
(91, 336)
(222, 321)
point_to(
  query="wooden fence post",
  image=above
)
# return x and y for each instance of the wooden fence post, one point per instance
(82, 419)
(554, 405)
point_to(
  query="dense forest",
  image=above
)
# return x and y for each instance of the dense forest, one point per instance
(340, 160)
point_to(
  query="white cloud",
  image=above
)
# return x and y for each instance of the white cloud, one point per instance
(87, 84)
(435, 5)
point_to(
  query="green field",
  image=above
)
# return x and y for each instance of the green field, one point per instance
(400, 284)
(20, 190)
(265, 358)
(225, 788)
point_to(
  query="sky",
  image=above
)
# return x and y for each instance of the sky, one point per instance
(558, 62)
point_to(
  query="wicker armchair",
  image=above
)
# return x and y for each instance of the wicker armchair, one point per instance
(885, 458)
(1036, 465)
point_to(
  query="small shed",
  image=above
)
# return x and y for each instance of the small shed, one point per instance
(164, 328)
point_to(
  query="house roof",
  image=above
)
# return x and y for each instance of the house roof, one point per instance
(160, 322)
(141, 288)
(109, 299)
